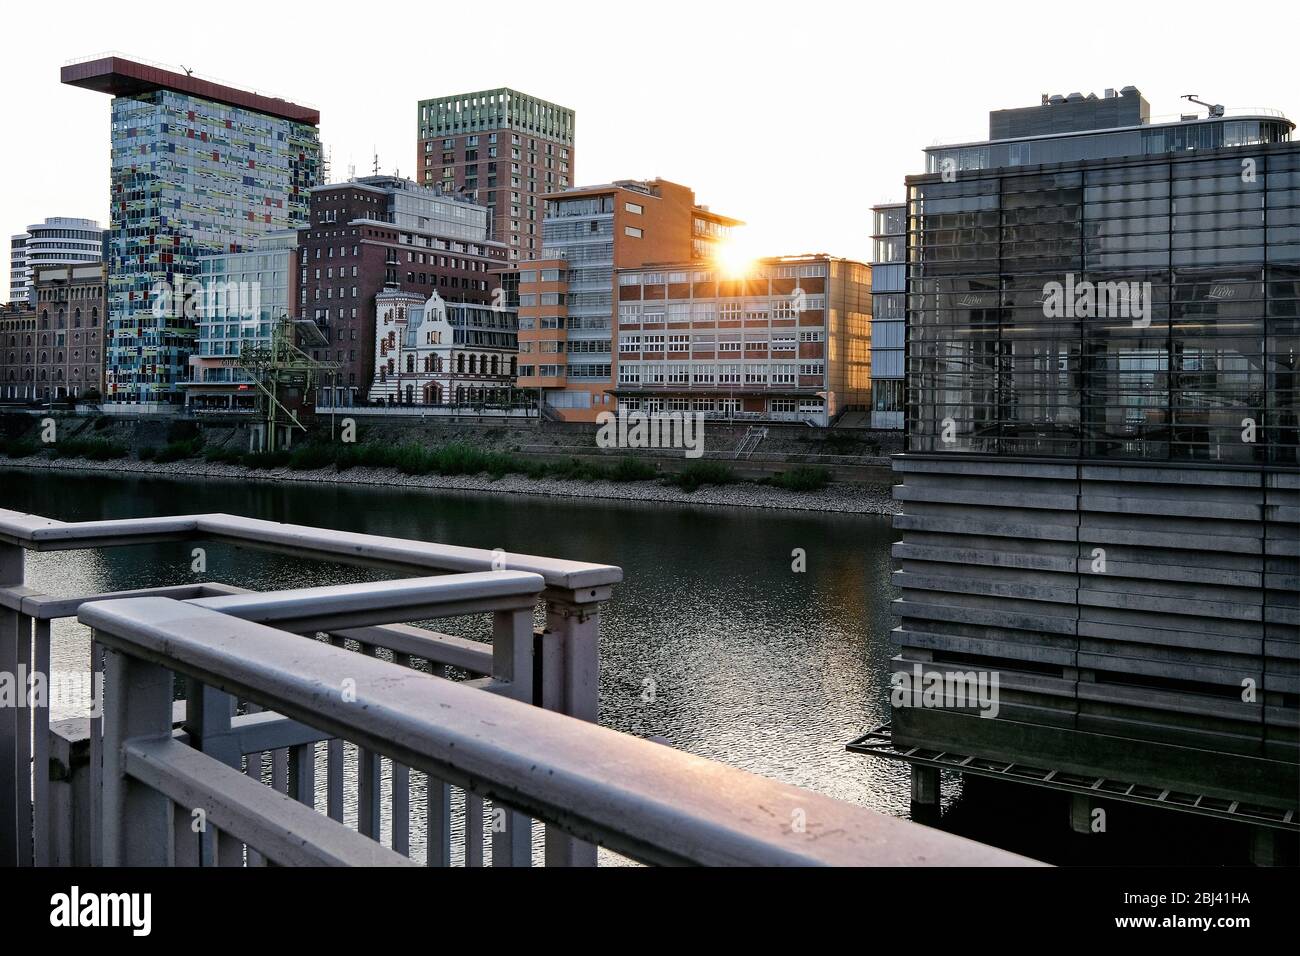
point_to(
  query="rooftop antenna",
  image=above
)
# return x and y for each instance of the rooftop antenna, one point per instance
(189, 70)
(376, 166)
(1215, 109)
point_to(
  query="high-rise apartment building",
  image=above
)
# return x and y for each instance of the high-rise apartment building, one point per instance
(888, 313)
(503, 149)
(568, 302)
(784, 341)
(198, 168)
(1100, 488)
(382, 233)
(59, 241)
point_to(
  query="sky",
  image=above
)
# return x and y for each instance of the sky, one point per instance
(795, 117)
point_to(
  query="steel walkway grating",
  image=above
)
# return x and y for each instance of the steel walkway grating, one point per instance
(880, 743)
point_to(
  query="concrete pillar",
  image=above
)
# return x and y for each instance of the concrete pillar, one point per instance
(1081, 813)
(925, 786)
(1263, 846)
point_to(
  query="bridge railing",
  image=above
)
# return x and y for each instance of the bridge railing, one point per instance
(563, 658)
(646, 801)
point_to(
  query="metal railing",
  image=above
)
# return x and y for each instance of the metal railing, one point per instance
(242, 728)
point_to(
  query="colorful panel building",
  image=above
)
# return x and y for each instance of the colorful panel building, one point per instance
(198, 168)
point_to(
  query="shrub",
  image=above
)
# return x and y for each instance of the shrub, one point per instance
(102, 422)
(93, 449)
(19, 448)
(224, 456)
(311, 457)
(700, 473)
(179, 451)
(632, 469)
(804, 478)
(146, 454)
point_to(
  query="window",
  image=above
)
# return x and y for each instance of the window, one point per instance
(633, 208)
(632, 231)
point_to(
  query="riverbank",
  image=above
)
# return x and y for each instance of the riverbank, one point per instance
(835, 498)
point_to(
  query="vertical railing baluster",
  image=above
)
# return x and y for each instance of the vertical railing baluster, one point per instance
(302, 774)
(334, 767)
(100, 679)
(254, 770)
(11, 718)
(512, 663)
(473, 829)
(369, 771)
(185, 850)
(41, 746)
(437, 797)
(401, 791)
(280, 771)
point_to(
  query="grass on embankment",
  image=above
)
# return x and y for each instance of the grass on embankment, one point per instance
(411, 459)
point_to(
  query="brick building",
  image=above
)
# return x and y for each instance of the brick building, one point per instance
(381, 232)
(54, 349)
(501, 148)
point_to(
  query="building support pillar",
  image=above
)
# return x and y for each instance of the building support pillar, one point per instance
(1081, 813)
(925, 786)
(1263, 846)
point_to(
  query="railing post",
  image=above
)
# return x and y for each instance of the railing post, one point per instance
(208, 712)
(571, 685)
(137, 820)
(512, 661)
(12, 718)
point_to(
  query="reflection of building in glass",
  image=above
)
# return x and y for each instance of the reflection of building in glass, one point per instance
(1100, 488)
(198, 168)
(888, 313)
(434, 352)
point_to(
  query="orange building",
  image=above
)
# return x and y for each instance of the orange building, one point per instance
(568, 298)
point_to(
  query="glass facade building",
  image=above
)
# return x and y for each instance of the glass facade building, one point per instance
(1180, 340)
(198, 169)
(888, 314)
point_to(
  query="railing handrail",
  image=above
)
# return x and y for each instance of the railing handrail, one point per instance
(47, 534)
(650, 802)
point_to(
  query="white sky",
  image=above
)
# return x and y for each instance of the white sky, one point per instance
(794, 116)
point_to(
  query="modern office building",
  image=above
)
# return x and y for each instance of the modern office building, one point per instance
(503, 149)
(19, 290)
(198, 168)
(242, 295)
(375, 233)
(567, 301)
(1100, 494)
(53, 348)
(888, 313)
(435, 352)
(787, 341)
(59, 241)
